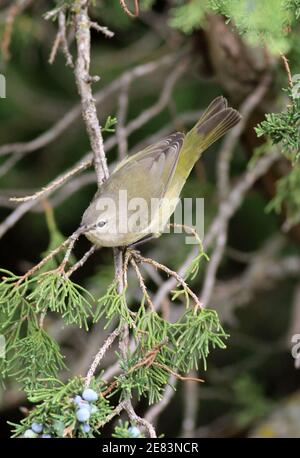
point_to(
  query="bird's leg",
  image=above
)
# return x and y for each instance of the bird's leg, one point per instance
(145, 239)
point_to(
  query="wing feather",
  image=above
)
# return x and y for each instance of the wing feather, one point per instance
(147, 173)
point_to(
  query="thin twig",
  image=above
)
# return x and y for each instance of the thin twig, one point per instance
(54, 49)
(117, 410)
(69, 242)
(8, 165)
(42, 319)
(61, 40)
(102, 29)
(124, 344)
(44, 261)
(101, 353)
(110, 388)
(81, 261)
(83, 80)
(72, 240)
(189, 230)
(31, 201)
(134, 418)
(127, 10)
(14, 10)
(171, 273)
(54, 184)
(120, 280)
(147, 361)
(180, 377)
(142, 284)
(287, 69)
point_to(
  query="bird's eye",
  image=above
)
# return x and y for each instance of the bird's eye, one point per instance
(101, 223)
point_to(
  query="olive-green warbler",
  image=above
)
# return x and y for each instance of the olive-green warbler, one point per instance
(137, 200)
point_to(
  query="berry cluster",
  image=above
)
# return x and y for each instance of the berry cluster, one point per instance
(36, 430)
(85, 408)
(134, 431)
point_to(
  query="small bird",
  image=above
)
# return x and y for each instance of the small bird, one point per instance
(135, 203)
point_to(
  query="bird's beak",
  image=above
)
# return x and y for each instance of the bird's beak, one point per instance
(84, 228)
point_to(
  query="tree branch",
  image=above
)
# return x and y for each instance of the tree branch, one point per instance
(84, 80)
(101, 353)
(61, 40)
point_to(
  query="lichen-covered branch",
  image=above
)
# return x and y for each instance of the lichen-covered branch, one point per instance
(84, 81)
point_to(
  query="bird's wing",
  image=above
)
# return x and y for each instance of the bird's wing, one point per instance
(147, 174)
(153, 149)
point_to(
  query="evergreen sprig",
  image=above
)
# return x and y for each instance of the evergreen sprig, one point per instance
(110, 124)
(256, 20)
(287, 194)
(56, 239)
(195, 333)
(143, 375)
(189, 15)
(12, 291)
(57, 293)
(165, 348)
(293, 6)
(144, 370)
(193, 269)
(34, 356)
(55, 409)
(15, 317)
(30, 352)
(123, 430)
(284, 128)
(113, 305)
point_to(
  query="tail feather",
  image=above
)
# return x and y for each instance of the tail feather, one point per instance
(217, 125)
(217, 119)
(218, 104)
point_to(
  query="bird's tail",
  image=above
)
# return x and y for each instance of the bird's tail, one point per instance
(217, 119)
